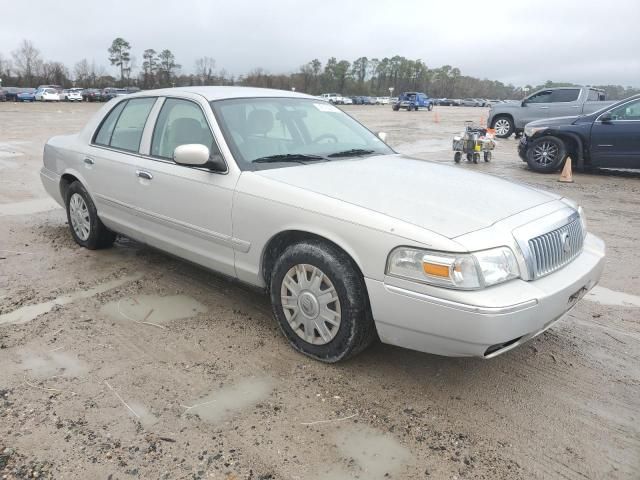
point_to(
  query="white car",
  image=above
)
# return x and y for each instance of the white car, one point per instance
(383, 100)
(72, 95)
(334, 98)
(350, 239)
(347, 101)
(47, 95)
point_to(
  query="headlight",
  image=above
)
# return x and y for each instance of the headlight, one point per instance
(530, 131)
(583, 220)
(465, 271)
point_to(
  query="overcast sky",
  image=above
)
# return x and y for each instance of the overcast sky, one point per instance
(588, 41)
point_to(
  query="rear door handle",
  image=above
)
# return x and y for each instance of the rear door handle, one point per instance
(143, 174)
(89, 161)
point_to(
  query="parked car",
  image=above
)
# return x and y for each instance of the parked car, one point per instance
(382, 101)
(295, 213)
(357, 100)
(471, 102)
(11, 93)
(92, 95)
(47, 95)
(72, 95)
(347, 101)
(334, 98)
(413, 101)
(509, 118)
(3, 95)
(109, 93)
(26, 95)
(608, 138)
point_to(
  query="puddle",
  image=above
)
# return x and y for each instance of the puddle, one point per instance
(604, 296)
(154, 308)
(224, 403)
(45, 365)
(30, 312)
(28, 207)
(377, 456)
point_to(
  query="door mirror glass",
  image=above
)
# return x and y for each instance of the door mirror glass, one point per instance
(382, 136)
(191, 154)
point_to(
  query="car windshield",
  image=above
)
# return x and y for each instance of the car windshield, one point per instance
(260, 128)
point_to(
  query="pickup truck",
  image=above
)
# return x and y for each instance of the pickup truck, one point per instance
(607, 138)
(509, 118)
(413, 101)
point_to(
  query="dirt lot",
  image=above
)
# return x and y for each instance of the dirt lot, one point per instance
(127, 363)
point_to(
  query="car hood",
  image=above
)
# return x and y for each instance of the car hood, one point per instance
(450, 201)
(553, 122)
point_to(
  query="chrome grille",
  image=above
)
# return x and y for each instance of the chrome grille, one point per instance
(555, 249)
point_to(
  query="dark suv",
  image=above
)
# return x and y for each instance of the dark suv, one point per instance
(608, 138)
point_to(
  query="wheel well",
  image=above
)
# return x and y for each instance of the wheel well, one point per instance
(503, 115)
(282, 240)
(66, 180)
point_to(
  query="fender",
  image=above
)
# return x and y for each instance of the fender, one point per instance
(578, 140)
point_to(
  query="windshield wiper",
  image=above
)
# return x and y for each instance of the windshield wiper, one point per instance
(288, 157)
(354, 152)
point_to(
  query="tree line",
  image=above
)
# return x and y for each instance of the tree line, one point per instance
(362, 76)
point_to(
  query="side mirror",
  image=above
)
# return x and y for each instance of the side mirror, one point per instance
(382, 136)
(197, 155)
(606, 117)
(524, 103)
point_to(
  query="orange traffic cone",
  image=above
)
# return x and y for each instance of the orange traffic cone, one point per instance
(566, 175)
(436, 117)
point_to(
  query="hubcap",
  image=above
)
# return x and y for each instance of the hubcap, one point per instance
(79, 215)
(310, 303)
(545, 153)
(502, 126)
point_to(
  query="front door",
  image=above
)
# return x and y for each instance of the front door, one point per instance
(615, 143)
(186, 210)
(536, 107)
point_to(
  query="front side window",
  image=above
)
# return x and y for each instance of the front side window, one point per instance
(180, 122)
(130, 125)
(629, 111)
(540, 97)
(565, 95)
(258, 128)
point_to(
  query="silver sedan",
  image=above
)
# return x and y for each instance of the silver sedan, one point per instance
(351, 240)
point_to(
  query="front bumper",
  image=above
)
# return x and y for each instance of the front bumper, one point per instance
(522, 147)
(488, 322)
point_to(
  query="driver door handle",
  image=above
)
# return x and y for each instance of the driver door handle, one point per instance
(89, 161)
(143, 174)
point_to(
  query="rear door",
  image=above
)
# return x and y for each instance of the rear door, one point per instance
(185, 210)
(109, 166)
(566, 102)
(616, 143)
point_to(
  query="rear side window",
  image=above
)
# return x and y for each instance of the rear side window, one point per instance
(180, 122)
(565, 95)
(594, 96)
(128, 130)
(103, 137)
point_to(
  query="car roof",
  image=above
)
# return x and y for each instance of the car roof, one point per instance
(223, 93)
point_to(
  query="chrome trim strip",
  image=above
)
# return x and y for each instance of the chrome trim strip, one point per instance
(226, 240)
(463, 306)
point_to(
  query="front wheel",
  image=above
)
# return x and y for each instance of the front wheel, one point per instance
(546, 154)
(430, 107)
(320, 301)
(503, 126)
(86, 227)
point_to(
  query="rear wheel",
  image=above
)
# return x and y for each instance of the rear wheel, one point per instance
(487, 156)
(457, 157)
(86, 227)
(476, 157)
(503, 126)
(320, 301)
(546, 154)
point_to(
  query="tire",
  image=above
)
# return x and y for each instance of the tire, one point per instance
(430, 107)
(469, 157)
(487, 156)
(395, 109)
(476, 157)
(295, 270)
(457, 157)
(552, 160)
(503, 125)
(86, 227)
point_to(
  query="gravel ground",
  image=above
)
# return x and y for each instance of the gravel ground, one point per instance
(128, 363)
